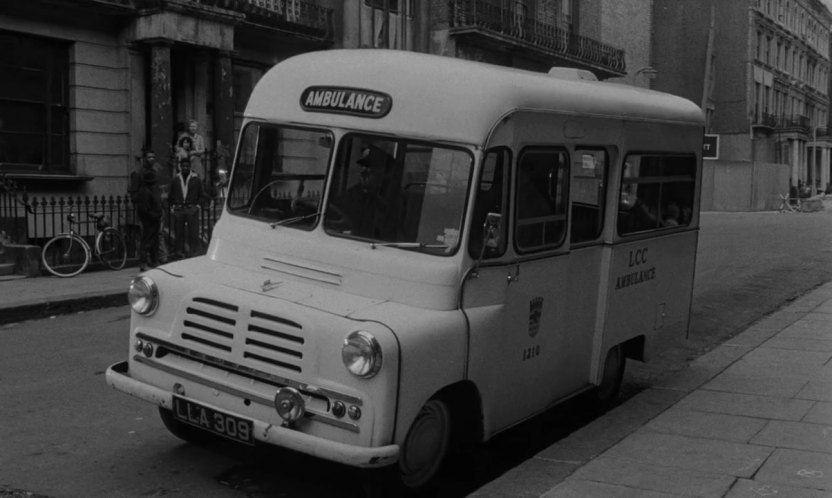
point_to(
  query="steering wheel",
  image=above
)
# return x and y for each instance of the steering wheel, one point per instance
(337, 219)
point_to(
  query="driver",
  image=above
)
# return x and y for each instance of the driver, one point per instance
(362, 203)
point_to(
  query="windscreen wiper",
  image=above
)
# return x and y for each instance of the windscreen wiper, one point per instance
(293, 220)
(408, 245)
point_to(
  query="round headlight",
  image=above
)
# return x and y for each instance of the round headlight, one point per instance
(361, 354)
(143, 295)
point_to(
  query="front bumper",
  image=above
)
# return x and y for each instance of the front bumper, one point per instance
(118, 376)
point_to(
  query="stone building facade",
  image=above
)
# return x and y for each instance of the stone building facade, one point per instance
(760, 69)
(89, 84)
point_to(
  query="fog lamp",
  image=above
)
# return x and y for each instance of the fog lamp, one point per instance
(148, 349)
(139, 346)
(338, 409)
(354, 412)
(289, 404)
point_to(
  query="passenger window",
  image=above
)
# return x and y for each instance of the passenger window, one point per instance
(490, 198)
(541, 199)
(657, 192)
(587, 193)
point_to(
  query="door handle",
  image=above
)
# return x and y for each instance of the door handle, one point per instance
(516, 277)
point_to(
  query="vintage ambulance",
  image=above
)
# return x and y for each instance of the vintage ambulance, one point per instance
(418, 250)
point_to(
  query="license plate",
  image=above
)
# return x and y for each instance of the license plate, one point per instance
(216, 422)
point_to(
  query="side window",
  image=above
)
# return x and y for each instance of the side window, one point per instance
(657, 191)
(491, 197)
(587, 193)
(541, 199)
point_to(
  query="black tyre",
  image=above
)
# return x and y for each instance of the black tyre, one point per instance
(65, 255)
(182, 430)
(426, 446)
(111, 248)
(606, 393)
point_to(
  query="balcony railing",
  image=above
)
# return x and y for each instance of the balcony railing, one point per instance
(509, 20)
(296, 16)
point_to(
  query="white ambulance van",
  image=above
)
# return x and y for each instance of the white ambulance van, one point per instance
(418, 250)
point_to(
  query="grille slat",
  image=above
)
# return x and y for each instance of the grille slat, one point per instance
(276, 349)
(206, 342)
(276, 334)
(211, 330)
(211, 316)
(272, 361)
(266, 338)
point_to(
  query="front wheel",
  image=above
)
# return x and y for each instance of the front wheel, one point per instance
(426, 445)
(65, 255)
(111, 249)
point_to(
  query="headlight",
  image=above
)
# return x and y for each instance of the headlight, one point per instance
(361, 354)
(143, 295)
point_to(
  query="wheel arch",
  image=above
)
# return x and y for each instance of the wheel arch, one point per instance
(635, 348)
(466, 410)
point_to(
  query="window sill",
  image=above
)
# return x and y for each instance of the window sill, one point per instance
(48, 177)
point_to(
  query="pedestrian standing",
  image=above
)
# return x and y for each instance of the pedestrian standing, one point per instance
(196, 151)
(185, 197)
(149, 207)
(150, 164)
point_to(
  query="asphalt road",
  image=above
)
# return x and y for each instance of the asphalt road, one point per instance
(65, 433)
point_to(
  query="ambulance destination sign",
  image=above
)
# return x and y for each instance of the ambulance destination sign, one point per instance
(342, 100)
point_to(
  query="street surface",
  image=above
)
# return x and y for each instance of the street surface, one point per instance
(66, 433)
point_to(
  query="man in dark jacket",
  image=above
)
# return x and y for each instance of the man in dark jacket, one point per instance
(186, 196)
(150, 164)
(149, 208)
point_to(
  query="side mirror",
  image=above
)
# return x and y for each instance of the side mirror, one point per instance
(491, 229)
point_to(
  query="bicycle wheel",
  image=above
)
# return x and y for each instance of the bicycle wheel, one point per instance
(65, 255)
(111, 249)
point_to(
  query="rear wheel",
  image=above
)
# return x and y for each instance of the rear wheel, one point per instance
(426, 445)
(111, 248)
(65, 255)
(182, 430)
(607, 391)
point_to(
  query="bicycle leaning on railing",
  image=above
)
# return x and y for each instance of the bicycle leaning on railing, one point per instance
(68, 254)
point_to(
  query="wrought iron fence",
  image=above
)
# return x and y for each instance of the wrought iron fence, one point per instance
(38, 219)
(511, 19)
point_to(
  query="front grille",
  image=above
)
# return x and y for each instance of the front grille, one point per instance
(228, 331)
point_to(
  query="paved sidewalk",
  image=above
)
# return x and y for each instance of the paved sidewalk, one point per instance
(40, 297)
(751, 418)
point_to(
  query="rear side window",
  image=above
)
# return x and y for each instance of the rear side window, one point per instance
(541, 199)
(657, 192)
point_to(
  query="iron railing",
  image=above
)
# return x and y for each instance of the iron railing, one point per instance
(507, 20)
(34, 221)
(298, 16)
(794, 121)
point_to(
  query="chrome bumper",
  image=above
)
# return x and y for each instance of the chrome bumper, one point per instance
(118, 376)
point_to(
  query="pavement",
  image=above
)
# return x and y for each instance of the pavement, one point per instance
(42, 297)
(750, 418)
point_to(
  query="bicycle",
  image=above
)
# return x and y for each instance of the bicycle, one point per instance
(68, 254)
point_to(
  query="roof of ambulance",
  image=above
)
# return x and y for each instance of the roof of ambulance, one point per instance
(447, 98)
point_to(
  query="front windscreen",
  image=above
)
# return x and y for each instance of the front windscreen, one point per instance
(398, 193)
(385, 191)
(280, 174)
